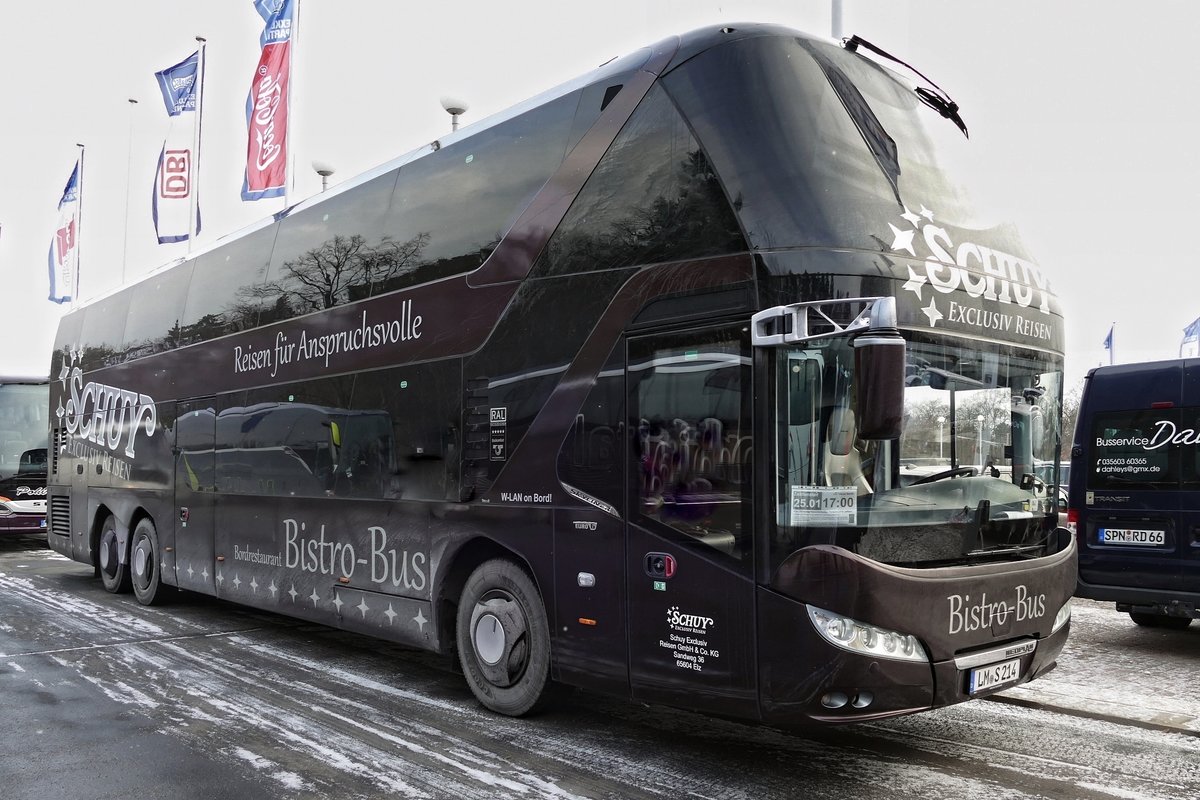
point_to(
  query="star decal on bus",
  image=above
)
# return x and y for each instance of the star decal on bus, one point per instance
(932, 312)
(915, 282)
(902, 240)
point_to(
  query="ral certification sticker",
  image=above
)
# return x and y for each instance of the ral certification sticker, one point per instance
(824, 505)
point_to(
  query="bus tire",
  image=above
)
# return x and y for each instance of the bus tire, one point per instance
(504, 639)
(1160, 621)
(114, 570)
(145, 560)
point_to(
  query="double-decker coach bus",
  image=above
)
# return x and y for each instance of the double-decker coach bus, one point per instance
(618, 389)
(24, 431)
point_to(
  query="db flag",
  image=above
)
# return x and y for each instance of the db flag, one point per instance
(267, 105)
(175, 179)
(64, 247)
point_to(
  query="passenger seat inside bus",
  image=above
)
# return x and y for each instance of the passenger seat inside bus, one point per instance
(843, 467)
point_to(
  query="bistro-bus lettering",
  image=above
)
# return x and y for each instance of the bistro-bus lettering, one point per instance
(105, 414)
(967, 616)
(321, 556)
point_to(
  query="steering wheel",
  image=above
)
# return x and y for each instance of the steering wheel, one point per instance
(950, 473)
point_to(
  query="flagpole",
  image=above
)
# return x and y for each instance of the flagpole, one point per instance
(194, 166)
(78, 231)
(128, 169)
(1112, 345)
(289, 141)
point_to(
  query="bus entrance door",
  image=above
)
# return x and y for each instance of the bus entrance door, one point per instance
(689, 559)
(195, 481)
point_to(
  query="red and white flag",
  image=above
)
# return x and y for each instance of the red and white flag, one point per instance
(267, 105)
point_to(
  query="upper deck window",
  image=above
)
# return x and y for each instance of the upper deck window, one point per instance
(653, 197)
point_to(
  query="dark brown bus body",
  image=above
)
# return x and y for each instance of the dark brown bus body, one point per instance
(503, 398)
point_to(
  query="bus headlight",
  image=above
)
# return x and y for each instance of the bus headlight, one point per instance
(859, 637)
(1062, 617)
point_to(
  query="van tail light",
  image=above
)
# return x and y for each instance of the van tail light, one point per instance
(1073, 519)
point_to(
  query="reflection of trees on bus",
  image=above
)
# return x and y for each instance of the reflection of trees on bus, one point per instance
(340, 270)
(688, 216)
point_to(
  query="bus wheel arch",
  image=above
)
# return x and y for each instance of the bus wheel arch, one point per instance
(145, 561)
(111, 551)
(500, 629)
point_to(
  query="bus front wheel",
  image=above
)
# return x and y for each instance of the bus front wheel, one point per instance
(114, 567)
(504, 639)
(1160, 621)
(144, 562)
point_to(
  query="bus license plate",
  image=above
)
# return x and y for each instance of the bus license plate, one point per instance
(1131, 536)
(995, 675)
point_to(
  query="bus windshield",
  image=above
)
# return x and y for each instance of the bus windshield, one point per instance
(824, 168)
(23, 429)
(961, 484)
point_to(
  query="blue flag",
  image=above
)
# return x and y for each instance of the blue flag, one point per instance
(64, 246)
(1108, 340)
(1190, 346)
(175, 187)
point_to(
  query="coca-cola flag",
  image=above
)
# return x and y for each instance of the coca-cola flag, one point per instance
(64, 247)
(267, 105)
(175, 179)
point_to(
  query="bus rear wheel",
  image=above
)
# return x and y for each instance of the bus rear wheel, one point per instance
(1160, 621)
(114, 567)
(504, 639)
(144, 562)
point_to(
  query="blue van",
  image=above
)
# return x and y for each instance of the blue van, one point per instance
(1134, 490)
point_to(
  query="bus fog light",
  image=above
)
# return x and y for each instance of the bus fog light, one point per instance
(864, 639)
(834, 699)
(1062, 617)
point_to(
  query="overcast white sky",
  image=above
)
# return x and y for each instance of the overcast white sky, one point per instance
(1084, 114)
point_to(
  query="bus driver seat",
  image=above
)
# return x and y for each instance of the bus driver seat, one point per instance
(842, 464)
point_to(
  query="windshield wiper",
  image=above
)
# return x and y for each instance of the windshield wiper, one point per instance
(936, 98)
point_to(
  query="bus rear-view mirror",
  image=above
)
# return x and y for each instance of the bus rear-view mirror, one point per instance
(879, 364)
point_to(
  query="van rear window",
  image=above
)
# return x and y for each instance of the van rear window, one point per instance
(1131, 448)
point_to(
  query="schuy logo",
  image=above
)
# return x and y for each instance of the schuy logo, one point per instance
(985, 274)
(102, 414)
